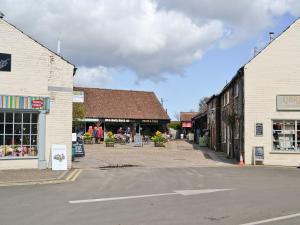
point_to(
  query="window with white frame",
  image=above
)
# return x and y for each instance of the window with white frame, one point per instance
(236, 90)
(226, 98)
(18, 134)
(286, 135)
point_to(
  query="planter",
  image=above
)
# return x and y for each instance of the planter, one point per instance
(109, 144)
(87, 141)
(159, 144)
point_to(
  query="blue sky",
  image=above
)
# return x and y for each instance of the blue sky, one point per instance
(146, 44)
(204, 77)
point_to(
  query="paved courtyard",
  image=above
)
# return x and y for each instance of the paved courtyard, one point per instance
(175, 154)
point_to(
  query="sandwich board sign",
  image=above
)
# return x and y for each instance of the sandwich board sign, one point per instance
(138, 140)
(59, 157)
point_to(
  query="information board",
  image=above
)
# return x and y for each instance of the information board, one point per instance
(79, 149)
(258, 154)
(138, 140)
(259, 131)
(59, 157)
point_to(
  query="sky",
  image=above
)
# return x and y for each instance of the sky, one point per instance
(181, 50)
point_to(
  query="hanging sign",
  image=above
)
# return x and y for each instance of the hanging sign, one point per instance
(59, 157)
(5, 62)
(78, 96)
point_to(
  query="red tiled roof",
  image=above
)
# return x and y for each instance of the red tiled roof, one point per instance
(187, 116)
(114, 104)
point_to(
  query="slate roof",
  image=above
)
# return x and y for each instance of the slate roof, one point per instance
(122, 104)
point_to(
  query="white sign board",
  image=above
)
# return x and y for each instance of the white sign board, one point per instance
(59, 157)
(74, 137)
(78, 96)
(288, 102)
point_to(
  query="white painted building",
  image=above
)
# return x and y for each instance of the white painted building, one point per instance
(272, 101)
(36, 88)
(260, 107)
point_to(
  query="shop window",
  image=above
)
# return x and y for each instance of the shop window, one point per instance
(18, 134)
(285, 135)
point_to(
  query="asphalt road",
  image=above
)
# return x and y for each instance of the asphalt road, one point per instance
(256, 194)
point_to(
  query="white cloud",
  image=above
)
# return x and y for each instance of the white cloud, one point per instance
(92, 77)
(153, 38)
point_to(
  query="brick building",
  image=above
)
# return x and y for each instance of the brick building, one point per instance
(36, 88)
(260, 106)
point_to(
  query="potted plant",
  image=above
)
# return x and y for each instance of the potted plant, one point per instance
(158, 139)
(110, 139)
(87, 138)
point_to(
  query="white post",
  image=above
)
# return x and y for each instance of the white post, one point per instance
(42, 140)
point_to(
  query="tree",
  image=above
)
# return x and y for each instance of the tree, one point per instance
(176, 125)
(78, 113)
(202, 103)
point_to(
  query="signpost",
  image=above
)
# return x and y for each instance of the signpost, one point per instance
(59, 157)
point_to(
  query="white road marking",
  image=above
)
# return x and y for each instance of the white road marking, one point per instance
(197, 192)
(180, 192)
(273, 219)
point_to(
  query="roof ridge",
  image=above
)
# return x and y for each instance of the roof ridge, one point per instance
(111, 89)
(18, 29)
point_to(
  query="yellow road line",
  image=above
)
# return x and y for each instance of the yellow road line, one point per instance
(71, 175)
(76, 175)
(70, 178)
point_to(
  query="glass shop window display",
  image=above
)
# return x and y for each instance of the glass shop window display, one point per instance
(284, 135)
(18, 134)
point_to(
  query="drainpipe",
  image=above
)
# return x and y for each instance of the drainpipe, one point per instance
(42, 140)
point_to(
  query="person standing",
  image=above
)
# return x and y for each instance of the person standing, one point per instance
(95, 135)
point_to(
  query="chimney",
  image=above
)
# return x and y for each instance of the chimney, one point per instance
(58, 47)
(255, 51)
(1, 15)
(271, 36)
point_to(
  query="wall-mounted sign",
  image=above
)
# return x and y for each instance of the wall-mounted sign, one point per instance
(117, 120)
(186, 124)
(288, 102)
(78, 96)
(24, 102)
(59, 157)
(259, 129)
(37, 104)
(5, 62)
(149, 121)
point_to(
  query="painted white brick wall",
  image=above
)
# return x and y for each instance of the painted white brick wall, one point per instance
(276, 71)
(34, 68)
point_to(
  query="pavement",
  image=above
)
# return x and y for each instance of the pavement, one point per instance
(176, 154)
